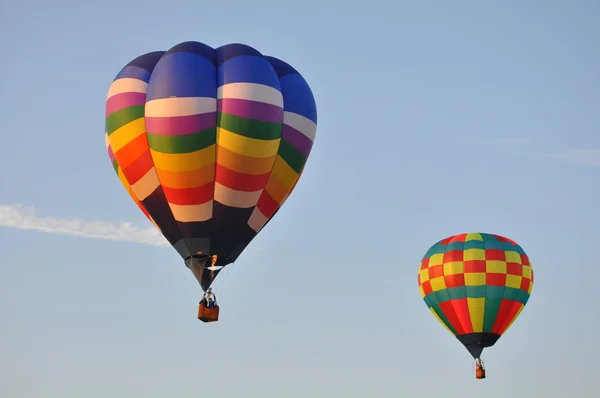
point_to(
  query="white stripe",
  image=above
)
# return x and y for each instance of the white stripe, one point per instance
(257, 220)
(191, 213)
(127, 85)
(186, 106)
(252, 92)
(233, 198)
(301, 123)
(146, 185)
(106, 140)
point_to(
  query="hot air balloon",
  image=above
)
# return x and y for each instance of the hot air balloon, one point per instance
(476, 285)
(209, 143)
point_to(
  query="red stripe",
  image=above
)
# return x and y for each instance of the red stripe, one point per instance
(453, 255)
(495, 254)
(510, 315)
(457, 280)
(267, 205)
(475, 266)
(139, 168)
(461, 308)
(190, 196)
(448, 310)
(503, 314)
(514, 269)
(239, 181)
(493, 279)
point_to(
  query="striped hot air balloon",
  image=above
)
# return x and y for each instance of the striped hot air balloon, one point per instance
(209, 143)
(476, 285)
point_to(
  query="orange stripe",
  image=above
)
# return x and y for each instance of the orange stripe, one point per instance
(246, 164)
(187, 179)
(276, 189)
(132, 151)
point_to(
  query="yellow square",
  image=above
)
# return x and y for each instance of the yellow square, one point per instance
(436, 259)
(473, 236)
(454, 267)
(527, 271)
(530, 288)
(424, 274)
(422, 291)
(438, 283)
(512, 257)
(495, 266)
(513, 281)
(473, 254)
(475, 279)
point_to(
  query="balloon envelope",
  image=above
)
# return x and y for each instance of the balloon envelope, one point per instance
(209, 143)
(476, 285)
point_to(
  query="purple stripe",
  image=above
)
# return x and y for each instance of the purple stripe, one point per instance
(301, 142)
(124, 100)
(251, 109)
(181, 125)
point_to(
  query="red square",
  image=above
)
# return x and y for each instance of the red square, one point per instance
(425, 263)
(453, 255)
(495, 279)
(427, 287)
(435, 271)
(525, 283)
(457, 280)
(514, 269)
(475, 266)
(495, 254)
(524, 259)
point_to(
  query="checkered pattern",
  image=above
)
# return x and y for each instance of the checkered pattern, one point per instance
(476, 282)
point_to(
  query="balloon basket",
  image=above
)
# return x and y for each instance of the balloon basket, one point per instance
(206, 314)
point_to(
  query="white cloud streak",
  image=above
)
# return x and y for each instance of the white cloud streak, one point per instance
(26, 218)
(584, 157)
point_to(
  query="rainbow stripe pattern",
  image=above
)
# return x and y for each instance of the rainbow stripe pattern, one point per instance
(476, 285)
(209, 143)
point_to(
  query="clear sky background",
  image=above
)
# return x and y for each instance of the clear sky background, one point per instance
(435, 118)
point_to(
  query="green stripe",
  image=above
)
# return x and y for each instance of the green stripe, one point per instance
(182, 143)
(490, 313)
(115, 165)
(249, 127)
(291, 155)
(489, 292)
(123, 116)
(442, 316)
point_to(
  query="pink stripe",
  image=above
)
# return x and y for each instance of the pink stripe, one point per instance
(181, 125)
(124, 100)
(111, 155)
(251, 109)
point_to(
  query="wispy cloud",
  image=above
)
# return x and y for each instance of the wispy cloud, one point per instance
(506, 141)
(23, 217)
(585, 157)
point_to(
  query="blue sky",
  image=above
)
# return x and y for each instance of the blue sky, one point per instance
(434, 119)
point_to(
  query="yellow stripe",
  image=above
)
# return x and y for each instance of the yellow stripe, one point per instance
(436, 259)
(184, 161)
(512, 257)
(284, 172)
(476, 309)
(439, 319)
(247, 146)
(127, 133)
(454, 268)
(473, 236)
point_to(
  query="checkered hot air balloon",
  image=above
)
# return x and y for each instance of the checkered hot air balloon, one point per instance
(476, 285)
(209, 143)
